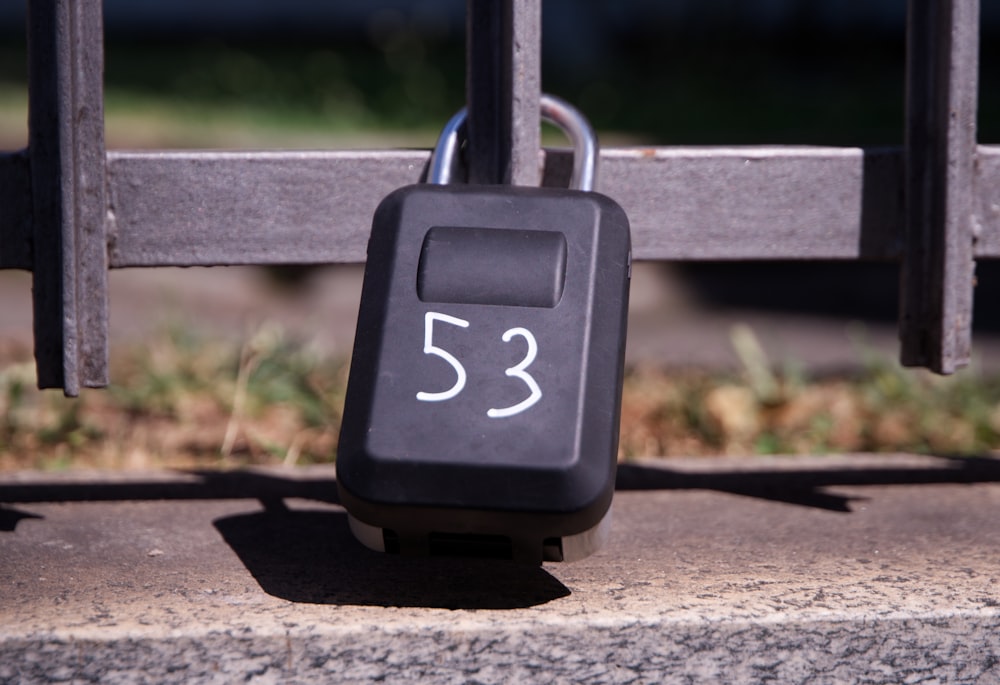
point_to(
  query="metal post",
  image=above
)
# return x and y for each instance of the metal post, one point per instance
(940, 150)
(503, 85)
(67, 173)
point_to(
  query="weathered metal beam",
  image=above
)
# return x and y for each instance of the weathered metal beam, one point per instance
(940, 147)
(503, 84)
(757, 203)
(986, 187)
(213, 208)
(67, 177)
(204, 208)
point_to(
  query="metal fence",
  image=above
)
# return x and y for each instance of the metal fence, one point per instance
(70, 209)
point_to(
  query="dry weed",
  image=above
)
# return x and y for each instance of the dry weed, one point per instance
(186, 402)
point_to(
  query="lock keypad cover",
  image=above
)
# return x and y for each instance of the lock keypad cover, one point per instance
(492, 266)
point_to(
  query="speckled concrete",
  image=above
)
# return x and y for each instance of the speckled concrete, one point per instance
(868, 569)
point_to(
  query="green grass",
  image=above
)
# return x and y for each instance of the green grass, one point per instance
(723, 88)
(183, 400)
(881, 407)
(180, 400)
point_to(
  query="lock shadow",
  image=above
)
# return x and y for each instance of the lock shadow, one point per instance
(808, 486)
(10, 517)
(310, 556)
(305, 555)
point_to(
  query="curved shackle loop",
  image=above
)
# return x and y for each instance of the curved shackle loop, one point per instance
(554, 110)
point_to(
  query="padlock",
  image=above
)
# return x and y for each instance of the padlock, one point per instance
(483, 404)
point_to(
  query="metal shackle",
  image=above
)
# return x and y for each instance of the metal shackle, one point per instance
(552, 109)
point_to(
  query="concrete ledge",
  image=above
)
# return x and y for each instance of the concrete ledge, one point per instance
(874, 569)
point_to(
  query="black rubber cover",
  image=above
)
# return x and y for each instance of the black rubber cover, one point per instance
(492, 266)
(552, 464)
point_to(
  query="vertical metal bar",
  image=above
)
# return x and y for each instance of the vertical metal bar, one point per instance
(67, 159)
(940, 147)
(503, 85)
(525, 53)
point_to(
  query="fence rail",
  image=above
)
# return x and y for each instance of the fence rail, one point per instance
(69, 209)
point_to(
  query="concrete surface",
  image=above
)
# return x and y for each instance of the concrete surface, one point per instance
(876, 569)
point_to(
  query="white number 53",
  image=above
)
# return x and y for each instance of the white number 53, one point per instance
(518, 371)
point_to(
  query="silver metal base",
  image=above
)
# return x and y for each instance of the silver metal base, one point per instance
(565, 549)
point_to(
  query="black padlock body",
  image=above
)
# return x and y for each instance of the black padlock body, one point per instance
(512, 263)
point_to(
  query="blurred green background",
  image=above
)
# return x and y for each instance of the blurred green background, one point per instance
(682, 72)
